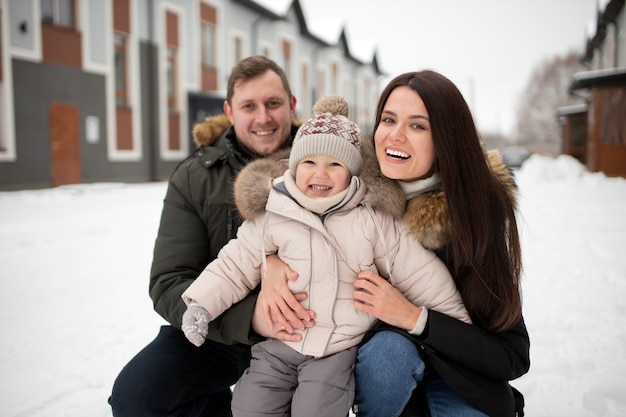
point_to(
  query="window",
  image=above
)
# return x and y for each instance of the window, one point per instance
(58, 12)
(579, 133)
(305, 92)
(2, 112)
(3, 146)
(287, 59)
(334, 77)
(238, 49)
(171, 71)
(321, 83)
(367, 97)
(121, 85)
(208, 45)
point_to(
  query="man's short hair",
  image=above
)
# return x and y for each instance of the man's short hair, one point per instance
(251, 67)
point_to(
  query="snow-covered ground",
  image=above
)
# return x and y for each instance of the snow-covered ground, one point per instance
(74, 305)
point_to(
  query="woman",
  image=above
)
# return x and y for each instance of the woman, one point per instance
(460, 204)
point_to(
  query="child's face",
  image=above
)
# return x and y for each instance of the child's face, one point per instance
(321, 176)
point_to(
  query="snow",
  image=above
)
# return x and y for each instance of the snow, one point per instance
(75, 306)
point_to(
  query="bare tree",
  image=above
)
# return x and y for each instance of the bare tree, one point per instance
(547, 90)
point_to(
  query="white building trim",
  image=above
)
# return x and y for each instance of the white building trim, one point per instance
(182, 60)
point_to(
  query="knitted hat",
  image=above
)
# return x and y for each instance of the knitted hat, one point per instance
(329, 132)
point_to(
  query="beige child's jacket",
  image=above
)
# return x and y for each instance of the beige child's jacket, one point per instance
(328, 252)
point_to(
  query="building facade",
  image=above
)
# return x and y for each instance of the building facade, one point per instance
(596, 133)
(109, 90)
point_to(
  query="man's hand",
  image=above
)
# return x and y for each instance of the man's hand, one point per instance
(279, 306)
(260, 326)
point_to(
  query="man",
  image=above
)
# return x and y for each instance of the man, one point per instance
(171, 376)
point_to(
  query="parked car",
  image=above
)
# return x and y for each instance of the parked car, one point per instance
(514, 156)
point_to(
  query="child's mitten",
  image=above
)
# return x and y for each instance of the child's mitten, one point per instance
(196, 323)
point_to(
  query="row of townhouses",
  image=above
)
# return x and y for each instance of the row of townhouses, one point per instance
(595, 131)
(109, 90)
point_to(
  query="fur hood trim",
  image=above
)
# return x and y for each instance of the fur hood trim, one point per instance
(427, 215)
(383, 194)
(208, 131)
(254, 182)
(503, 174)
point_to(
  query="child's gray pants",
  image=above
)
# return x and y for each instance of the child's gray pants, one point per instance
(283, 382)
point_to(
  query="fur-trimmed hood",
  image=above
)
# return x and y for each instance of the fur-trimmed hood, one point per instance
(208, 131)
(254, 182)
(426, 215)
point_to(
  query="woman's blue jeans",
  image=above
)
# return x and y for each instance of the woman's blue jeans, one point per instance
(388, 368)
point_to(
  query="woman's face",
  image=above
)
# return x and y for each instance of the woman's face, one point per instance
(403, 139)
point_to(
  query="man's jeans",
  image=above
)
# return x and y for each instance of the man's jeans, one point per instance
(388, 369)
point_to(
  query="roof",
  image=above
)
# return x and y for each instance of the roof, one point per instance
(571, 110)
(599, 78)
(325, 34)
(607, 13)
(260, 9)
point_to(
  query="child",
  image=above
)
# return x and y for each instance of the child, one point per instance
(318, 219)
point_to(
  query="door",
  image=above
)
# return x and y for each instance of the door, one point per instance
(64, 144)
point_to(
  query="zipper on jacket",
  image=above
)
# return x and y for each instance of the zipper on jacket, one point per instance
(229, 224)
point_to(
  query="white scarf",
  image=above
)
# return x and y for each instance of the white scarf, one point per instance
(417, 187)
(320, 205)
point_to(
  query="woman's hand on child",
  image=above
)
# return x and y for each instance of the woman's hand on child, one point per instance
(376, 296)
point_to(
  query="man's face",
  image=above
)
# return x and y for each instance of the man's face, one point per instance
(261, 113)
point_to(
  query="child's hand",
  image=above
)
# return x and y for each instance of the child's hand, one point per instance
(196, 323)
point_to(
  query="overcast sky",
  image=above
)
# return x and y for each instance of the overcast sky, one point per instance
(489, 48)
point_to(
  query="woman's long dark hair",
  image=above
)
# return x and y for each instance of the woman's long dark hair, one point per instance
(484, 254)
